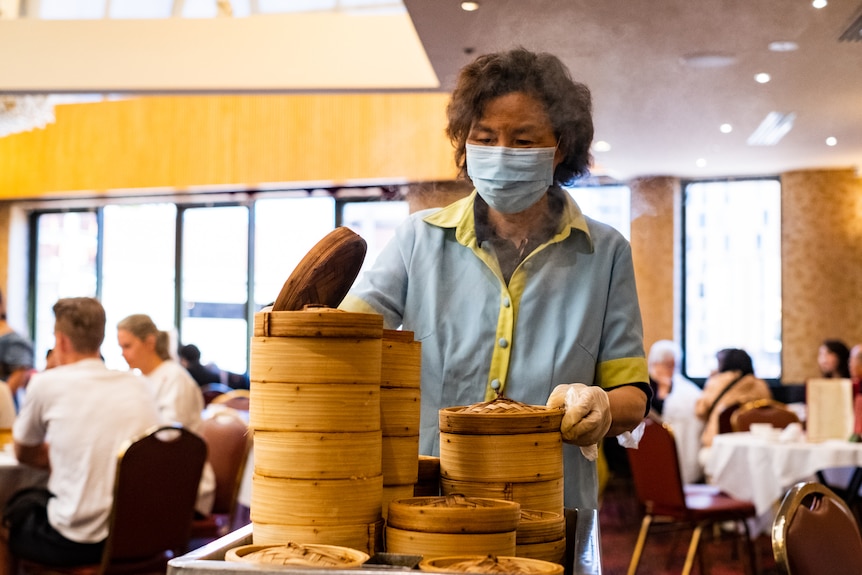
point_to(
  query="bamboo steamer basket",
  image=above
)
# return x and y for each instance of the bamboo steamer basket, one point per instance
(345, 407)
(493, 449)
(316, 502)
(367, 537)
(539, 495)
(428, 484)
(317, 455)
(402, 360)
(303, 555)
(541, 535)
(400, 409)
(400, 460)
(441, 544)
(492, 565)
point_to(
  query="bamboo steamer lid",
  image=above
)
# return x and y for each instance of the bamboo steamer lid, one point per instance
(402, 360)
(318, 322)
(324, 275)
(316, 455)
(399, 460)
(490, 564)
(538, 526)
(442, 544)
(541, 495)
(333, 407)
(454, 514)
(513, 458)
(298, 555)
(367, 537)
(501, 416)
(393, 492)
(400, 409)
(316, 502)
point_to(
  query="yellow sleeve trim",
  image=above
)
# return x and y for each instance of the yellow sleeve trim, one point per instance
(354, 304)
(621, 371)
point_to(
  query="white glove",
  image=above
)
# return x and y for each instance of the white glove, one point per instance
(588, 415)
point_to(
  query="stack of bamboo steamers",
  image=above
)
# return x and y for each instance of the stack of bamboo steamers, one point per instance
(335, 412)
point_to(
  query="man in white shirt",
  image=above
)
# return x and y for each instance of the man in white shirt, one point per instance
(74, 421)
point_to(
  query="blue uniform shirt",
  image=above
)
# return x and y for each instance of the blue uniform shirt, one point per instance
(569, 314)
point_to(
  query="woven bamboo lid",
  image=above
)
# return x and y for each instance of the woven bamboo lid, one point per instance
(298, 555)
(318, 322)
(490, 564)
(501, 416)
(454, 514)
(325, 274)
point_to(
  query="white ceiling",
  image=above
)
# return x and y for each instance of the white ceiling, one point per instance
(659, 116)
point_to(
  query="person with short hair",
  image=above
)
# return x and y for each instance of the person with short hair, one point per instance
(16, 354)
(74, 420)
(512, 290)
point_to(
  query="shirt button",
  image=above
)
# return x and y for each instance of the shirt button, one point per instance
(503, 342)
(495, 384)
(506, 302)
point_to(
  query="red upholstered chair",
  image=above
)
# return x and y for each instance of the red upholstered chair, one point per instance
(228, 442)
(762, 411)
(724, 425)
(154, 499)
(659, 487)
(814, 532)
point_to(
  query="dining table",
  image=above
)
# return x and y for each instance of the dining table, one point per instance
(761, 469)
(15, 476)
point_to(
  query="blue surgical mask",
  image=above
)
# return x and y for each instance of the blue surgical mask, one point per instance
(510, 180)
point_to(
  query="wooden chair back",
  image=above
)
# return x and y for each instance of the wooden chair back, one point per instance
(762, 411)
(235, 398)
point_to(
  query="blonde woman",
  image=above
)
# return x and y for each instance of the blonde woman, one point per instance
(179, 399)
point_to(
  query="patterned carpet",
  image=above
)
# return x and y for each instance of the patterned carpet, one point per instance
(620, 517)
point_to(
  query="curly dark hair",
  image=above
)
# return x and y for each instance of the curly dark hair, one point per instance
(541, 75)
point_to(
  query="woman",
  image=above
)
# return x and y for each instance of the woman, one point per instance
(178, 397)
(512, 290)
(733, 383)
(16, 354)
(833, 359)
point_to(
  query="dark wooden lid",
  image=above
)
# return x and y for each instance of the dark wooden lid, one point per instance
(326, 273)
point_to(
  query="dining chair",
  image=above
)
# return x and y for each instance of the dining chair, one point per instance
(228, 443)
(235, 398)
(213, 390)
(762, 411)
(667, 500)
(814, 532)
(724, 425)
(155, 488)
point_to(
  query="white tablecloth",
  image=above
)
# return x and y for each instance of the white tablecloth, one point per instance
(761, 470)
(15, 476)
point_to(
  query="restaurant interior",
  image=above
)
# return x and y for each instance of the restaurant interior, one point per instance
(210, 104)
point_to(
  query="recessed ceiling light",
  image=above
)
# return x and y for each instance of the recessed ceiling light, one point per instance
(701, 162)
(819, 4)
(601, 146)
(762, 78)
(469, 6)
(707, 60)
(773, 127)
(831, 141)
(783, 46)
(725, 128)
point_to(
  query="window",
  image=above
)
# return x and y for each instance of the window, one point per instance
(732, 274)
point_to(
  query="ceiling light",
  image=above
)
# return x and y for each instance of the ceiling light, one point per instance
(819, 4)
(725, 128)
(773, 127)
(701, 162)
(469, 6)
(707, 60)
(783, 46)
(762, 78)
(601, 146)
(831, 141)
